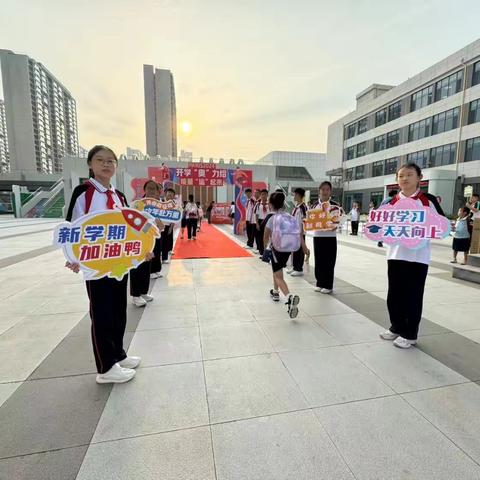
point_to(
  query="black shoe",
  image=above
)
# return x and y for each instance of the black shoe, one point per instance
(291, 303)
(275, 296)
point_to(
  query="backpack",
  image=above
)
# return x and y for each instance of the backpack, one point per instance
(285, 233)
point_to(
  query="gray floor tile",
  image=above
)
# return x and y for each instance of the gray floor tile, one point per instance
(223, 341)
(55, 465)
(362, 302)
(280, 447)
(162, 347)
(453, 410)
(224, 313)
(6, 391)
(405, 370)
(49, 414)
(333, 375)
(320, 304)
(400, 444)
(157, 400)
(250, 386)
(158, 317)
(183, 455)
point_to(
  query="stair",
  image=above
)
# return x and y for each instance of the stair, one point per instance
(55, 209)
(469, 272)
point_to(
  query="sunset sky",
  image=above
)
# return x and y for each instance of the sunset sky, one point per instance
(250, 76)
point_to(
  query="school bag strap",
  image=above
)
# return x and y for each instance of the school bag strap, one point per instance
(425, 198)
(89, 197)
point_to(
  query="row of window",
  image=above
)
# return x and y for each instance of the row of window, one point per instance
(433, 93)
(432, 157)
(440, 123)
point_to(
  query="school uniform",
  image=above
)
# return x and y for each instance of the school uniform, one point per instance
(354, 219)
(191, 211)
(298, 257)
(261, 212)
(250, 219)
(108, 296)
(407, 273)
(156, 262)
(165, 242)
(279, 259)
(461, 237)
(325, 253)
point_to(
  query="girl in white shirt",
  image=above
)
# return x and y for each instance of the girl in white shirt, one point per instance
(191, 212)
(354, 218)
(407, 268)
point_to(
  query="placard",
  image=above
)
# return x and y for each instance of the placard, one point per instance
(325, 218)
(165, 210)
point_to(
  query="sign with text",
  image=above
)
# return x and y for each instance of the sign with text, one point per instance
(166, 211)
(220, 213)
(200, 176)
(406, 223)
(108, 243)
(326, 217)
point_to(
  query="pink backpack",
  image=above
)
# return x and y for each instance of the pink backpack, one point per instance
(285, 233)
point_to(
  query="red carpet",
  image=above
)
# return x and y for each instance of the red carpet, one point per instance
(210, 243)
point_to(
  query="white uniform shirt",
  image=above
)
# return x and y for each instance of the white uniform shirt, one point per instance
(262, 210)
(354, 215)
(250, 210)
(99, 200)
(191, 208)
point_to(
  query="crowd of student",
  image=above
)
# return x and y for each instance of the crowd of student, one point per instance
(273, 232)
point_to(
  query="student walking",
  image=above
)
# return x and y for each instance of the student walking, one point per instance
(108, 296)
(408, 268)
(354, 218)
(461, 237)
(261, 211)
(283, 234)
(250, 219)
(209, 212)
(183, 224)
(191, 210)
(325, 245)
(200, 216)
(300, 213)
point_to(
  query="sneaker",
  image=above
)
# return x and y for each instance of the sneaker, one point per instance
(325, 290)
(139, 301)
(296, 274)
(275, 295)
(291, 303)
(453, 261)
(116, 374)
(401, 342)
(318, 289)
(156, 275)
(247, 247)
(147, 298)
(290, 271)
(130, 362)
(388, 335)
(166, 261)
(194, 238)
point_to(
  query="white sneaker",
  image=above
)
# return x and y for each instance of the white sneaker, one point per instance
(166, 261)
(247, 247)
(290, 271)
(139, 301)
(318, 289)
(401, 342)
(147, 298)
(130, 362)
(325, 290)
(116, 374)
(296, 274)
(156, 275)
(388, 335)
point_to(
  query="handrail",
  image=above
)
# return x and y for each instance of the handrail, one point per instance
(40, 195)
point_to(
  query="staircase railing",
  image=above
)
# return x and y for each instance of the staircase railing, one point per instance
(32, 207)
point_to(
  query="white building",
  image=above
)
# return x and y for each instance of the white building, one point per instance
(134, 154)
(41, 115)
(432, 119)
(160, 112)
(4, 157)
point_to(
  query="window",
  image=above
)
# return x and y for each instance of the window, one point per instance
(391, 165)
(379, 143)
(422, 98)
(474, 112)
(351, 130)
(472, 152)
(449, 86)
(350, 153)
(421, 158)
(362, 126)
(445, 121)
(349, 174)
(361, 149)
(377, 169)
(360, 172)
(381, 117)
(394, 111)
(419, 130)
(393, 138)
(476, 74)
(293, 173)
(444, 155)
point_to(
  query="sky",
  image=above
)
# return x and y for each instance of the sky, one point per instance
(250, 76)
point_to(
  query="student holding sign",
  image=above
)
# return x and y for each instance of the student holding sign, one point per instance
(408, 267)
(108, 296)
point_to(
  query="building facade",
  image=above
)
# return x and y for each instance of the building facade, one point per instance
(160, 112)
(41, 115)
(4, 156)
(432, 119)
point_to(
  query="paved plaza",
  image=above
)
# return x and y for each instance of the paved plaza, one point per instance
(229, 387)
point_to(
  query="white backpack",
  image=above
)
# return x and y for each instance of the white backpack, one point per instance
(285, 233)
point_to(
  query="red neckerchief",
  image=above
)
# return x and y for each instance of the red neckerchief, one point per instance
(108, 193)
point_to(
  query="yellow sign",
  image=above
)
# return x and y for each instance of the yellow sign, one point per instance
(108, 243)
(326, 217)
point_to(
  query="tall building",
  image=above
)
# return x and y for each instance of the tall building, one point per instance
(4, 156)
(160, 112)
(432, 119)
(41, 115)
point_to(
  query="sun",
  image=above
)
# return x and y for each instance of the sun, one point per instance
(186, 127)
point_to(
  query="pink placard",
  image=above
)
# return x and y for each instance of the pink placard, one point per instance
(406, 223)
